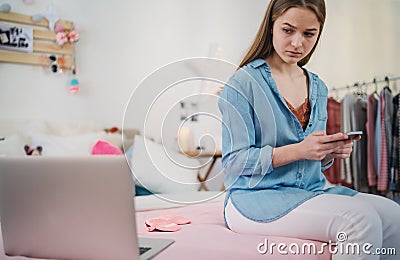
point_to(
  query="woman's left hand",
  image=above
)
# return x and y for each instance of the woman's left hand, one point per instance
(342, 151)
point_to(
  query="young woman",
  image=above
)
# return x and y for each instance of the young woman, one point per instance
(275, 147)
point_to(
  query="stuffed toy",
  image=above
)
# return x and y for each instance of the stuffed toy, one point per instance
(33, 151)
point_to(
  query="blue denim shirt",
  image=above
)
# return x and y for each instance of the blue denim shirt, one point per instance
(255, 119)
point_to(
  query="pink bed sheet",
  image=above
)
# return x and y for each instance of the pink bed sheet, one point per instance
(208, 238)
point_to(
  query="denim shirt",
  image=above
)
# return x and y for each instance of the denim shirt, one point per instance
(255, 119)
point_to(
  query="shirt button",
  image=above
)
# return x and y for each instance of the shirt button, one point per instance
(301, 186)
(299, 175)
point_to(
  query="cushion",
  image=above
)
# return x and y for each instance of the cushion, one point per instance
(160, 170)
(104, 147)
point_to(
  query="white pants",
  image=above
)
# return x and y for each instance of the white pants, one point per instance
(363, 218)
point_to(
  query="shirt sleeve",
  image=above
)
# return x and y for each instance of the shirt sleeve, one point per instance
(327, 166)
(240, 154)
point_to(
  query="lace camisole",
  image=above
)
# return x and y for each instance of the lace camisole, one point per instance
(302, 112)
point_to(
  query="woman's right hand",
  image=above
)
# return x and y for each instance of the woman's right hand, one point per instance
(317, 145)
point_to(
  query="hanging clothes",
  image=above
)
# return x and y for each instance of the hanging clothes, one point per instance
(394, 184)
(374, 164)
(386, 112)
(378, 139)
(354, 118)
(389, 117)
(372, 106)
(346, 105)
(333, 125)
(359, 155)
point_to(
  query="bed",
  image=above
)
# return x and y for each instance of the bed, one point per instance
(206, 237)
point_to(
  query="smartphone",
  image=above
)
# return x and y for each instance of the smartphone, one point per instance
(354, 134)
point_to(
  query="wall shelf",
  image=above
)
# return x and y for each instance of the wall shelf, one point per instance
(44, 41)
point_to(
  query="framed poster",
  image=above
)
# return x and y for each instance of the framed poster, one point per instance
(16, 38)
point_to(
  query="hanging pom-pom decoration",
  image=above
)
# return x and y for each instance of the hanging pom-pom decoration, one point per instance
(74, 83)
(74, 86)
(73, 36)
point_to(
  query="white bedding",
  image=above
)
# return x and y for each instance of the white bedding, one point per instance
(164, 201)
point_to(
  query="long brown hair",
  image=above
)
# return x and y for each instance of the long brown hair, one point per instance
(262, 46)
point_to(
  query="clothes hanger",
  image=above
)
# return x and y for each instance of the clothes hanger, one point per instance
(387, 80)
(364, 89)
(355, 89)
(376, 87)
(358, 91)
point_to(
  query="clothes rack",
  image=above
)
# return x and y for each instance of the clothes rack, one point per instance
(374, 108)
(375, 82)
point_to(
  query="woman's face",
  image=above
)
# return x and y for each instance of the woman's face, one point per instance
(294, 34)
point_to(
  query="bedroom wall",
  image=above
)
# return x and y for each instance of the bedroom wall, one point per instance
(122, 42)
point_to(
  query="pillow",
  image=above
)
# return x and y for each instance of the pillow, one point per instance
(104, 147)
(74, 145)
(162, 171)
(12, 146)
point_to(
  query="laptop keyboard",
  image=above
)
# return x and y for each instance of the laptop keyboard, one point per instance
(143, 250)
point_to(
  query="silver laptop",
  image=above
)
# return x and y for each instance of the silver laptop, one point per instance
(71, 208)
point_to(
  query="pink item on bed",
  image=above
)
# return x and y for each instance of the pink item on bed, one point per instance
(159, 224)
(166, 223)
(103, 147)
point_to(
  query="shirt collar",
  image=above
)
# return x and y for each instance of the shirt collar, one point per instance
(311, 77)
(257, 63)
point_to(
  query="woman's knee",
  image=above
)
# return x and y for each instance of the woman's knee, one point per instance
(387, 209)
(362, 223)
